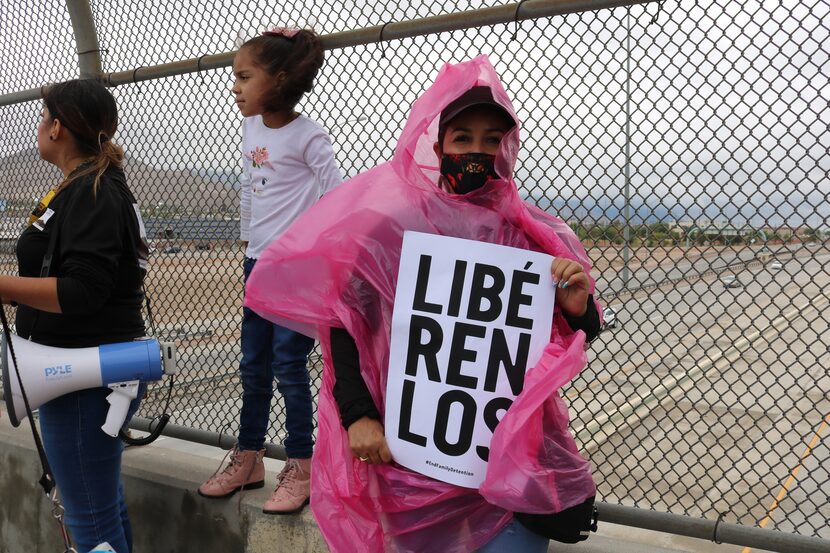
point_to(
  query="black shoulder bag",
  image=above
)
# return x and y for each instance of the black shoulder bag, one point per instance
(570, 525)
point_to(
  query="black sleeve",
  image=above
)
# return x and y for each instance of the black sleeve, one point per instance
(90, 246)
(588, 323)
(350, 392)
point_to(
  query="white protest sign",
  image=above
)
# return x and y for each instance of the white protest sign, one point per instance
(469, 319)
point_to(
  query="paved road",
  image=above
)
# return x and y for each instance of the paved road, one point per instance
(611, 282)
(710, 399)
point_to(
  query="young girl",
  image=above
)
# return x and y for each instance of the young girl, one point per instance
(334, 273)
(288, 163)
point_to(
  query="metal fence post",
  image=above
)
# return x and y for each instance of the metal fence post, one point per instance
(86, 38)
(627, 174)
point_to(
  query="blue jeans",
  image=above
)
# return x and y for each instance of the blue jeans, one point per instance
(87, 467)
(515, 537)
(270, 351)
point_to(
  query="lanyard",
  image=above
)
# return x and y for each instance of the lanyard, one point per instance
(38, 211)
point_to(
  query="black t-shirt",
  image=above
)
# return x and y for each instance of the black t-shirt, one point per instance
(99, 261)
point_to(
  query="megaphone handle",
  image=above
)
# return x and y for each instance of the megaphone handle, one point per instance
(123, 393)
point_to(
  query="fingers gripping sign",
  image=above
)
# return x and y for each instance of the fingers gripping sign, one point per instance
(367, 441)
(571, 282)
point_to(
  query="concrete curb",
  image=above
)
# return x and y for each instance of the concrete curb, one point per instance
(169, 516)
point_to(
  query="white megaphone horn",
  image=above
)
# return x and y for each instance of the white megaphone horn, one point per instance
(48, 372)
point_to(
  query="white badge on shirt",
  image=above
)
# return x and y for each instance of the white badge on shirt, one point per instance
(41, 222)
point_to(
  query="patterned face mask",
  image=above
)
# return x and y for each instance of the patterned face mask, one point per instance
(467, 172)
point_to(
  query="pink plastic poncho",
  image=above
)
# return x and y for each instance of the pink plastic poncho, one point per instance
(337, 266)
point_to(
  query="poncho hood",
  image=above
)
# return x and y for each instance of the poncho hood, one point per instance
(414, 155)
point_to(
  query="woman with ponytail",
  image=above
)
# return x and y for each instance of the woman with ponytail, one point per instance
(90, 294)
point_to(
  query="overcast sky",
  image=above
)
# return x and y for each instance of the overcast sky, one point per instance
(727, 101)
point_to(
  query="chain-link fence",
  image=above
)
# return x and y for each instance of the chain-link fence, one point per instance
(686, 144)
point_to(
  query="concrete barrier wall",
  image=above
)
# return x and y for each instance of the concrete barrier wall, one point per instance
(167, 514)
(25, 521)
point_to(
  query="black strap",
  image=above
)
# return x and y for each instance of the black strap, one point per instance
(164, 418)
(50, 251)
(46, 264)
(47, 480)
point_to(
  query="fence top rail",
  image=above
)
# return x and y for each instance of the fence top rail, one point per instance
(717, 531)
(507, 13)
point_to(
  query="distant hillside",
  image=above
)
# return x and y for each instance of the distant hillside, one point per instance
(25, 177)
(214, 192)
(760, 211)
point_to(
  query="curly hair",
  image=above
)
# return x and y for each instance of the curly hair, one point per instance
(298, 58)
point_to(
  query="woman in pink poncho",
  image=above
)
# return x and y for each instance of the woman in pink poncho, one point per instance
(333, 275)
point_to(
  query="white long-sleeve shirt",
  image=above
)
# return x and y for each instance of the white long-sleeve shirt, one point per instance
(284, 171)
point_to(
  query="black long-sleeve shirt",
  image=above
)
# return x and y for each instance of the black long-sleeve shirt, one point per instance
(98, 261)
(350, 392)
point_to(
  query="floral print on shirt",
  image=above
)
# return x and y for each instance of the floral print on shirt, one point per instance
(258, 156)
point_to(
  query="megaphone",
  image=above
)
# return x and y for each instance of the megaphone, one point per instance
(48, 372)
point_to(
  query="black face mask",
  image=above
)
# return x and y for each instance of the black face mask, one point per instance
(467, 172)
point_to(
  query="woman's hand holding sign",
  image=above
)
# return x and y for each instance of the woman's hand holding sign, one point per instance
(571, 283)
(367, 441)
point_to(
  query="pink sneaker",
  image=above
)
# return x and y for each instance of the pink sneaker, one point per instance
(293, 489)
(244, 471)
